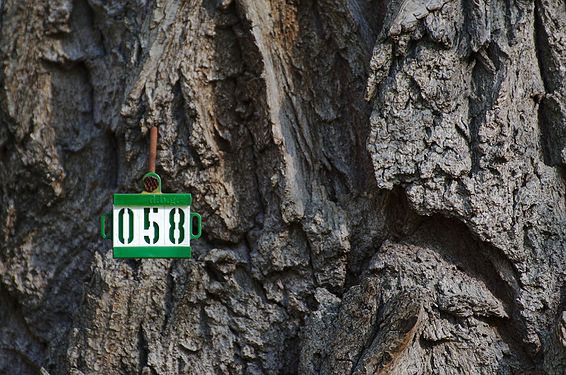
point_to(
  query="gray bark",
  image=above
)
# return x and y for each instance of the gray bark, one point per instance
(383, 184)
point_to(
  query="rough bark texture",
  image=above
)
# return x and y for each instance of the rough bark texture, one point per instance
(383, 185)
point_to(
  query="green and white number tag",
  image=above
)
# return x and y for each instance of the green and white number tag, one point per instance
(153, 225)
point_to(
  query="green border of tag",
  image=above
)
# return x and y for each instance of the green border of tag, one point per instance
(152, 252)
(152, 200)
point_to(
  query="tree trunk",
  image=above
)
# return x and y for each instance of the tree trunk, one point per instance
(383, 186)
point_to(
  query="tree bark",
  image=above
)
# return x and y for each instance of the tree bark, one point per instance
(383, 184)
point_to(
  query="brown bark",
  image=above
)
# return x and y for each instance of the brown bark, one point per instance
(382, 183)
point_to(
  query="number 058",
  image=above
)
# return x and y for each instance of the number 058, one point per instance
(148, 226)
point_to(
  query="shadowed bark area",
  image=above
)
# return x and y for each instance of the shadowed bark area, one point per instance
(382, 183)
